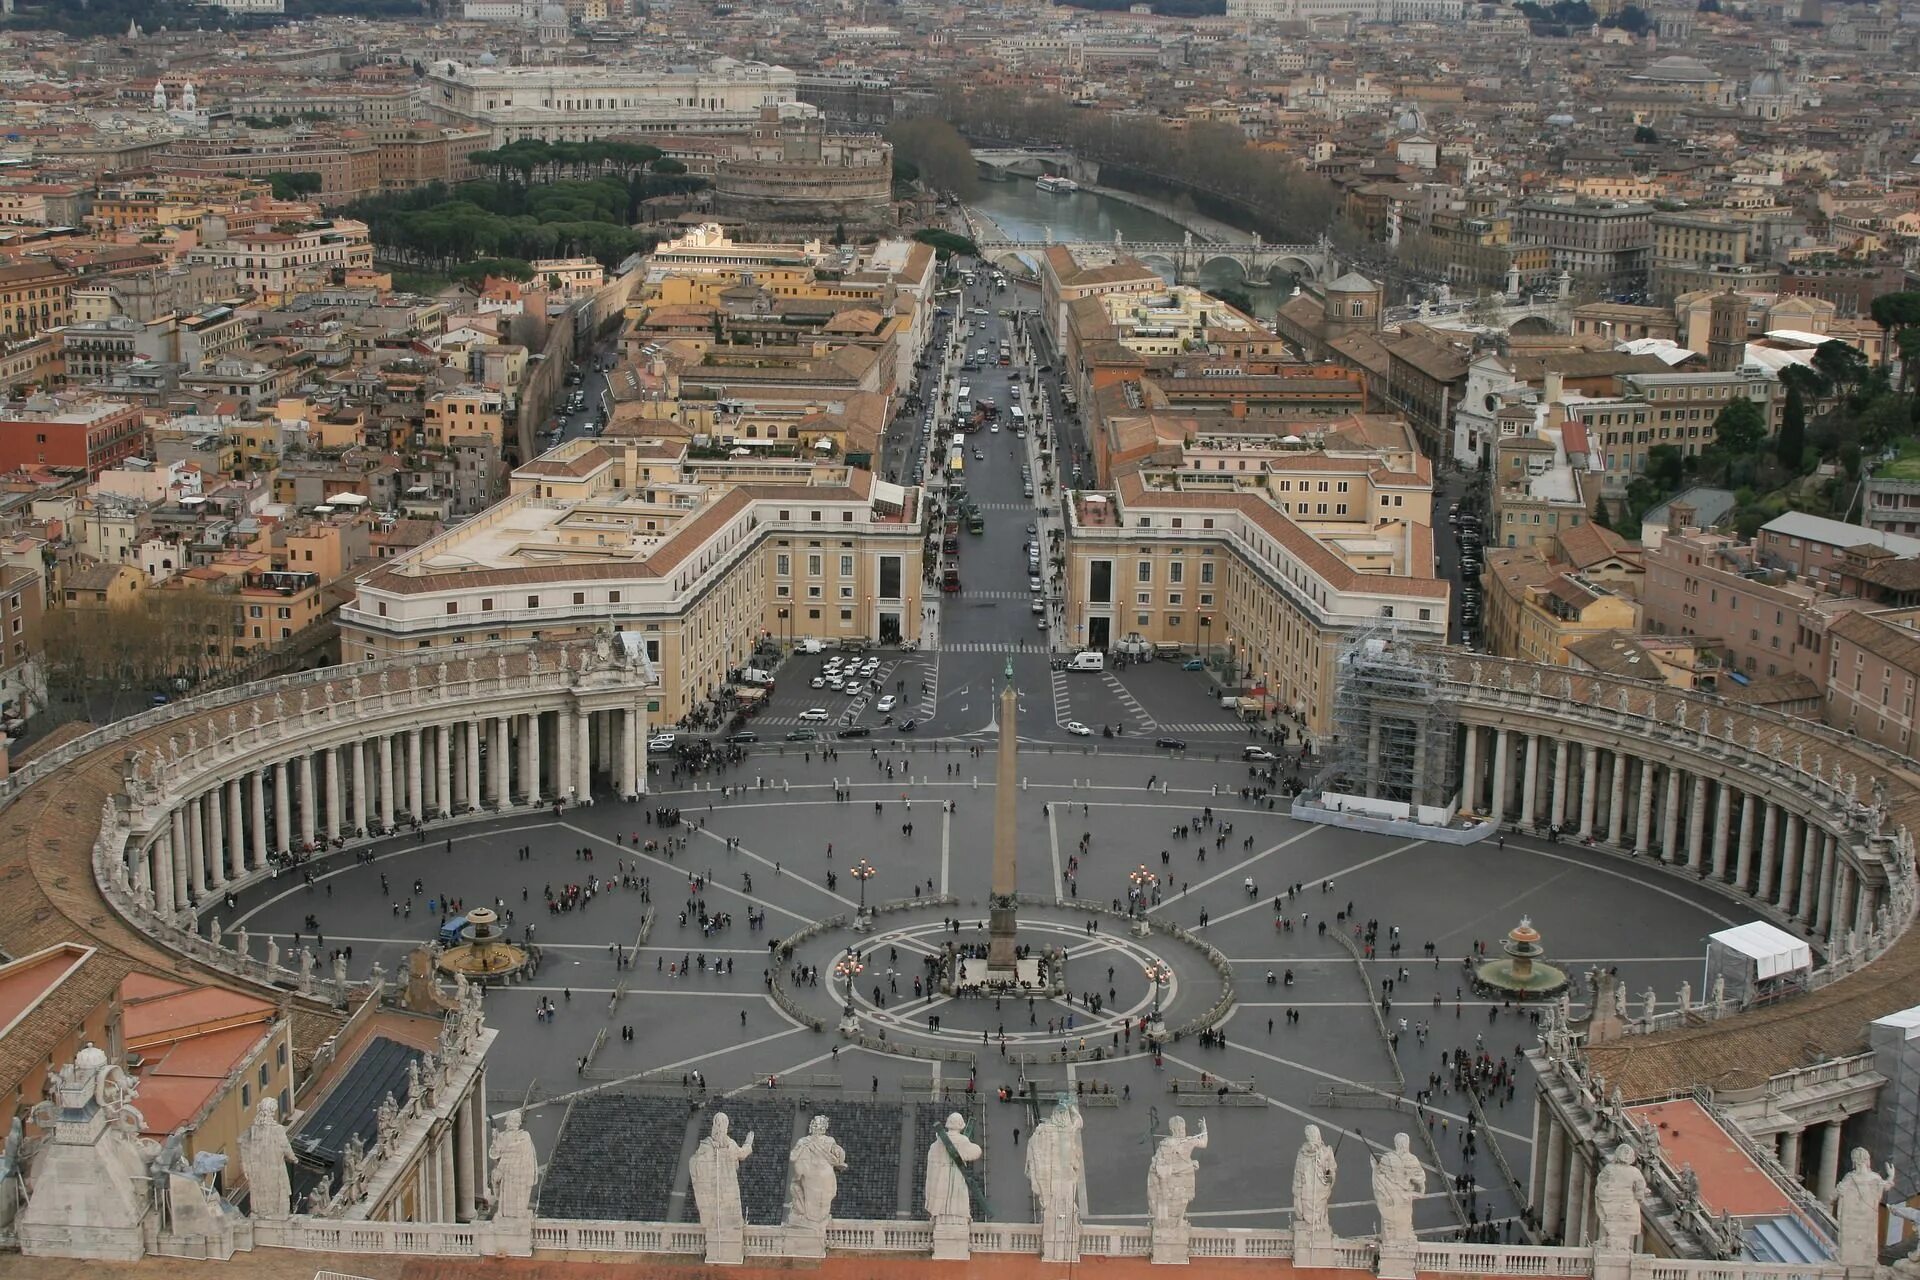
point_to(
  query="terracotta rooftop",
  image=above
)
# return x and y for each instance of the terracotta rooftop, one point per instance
(1729, 1179)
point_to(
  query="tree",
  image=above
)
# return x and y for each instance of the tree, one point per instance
(294, 186)
(937, 150)
(1841, 365)
(1238, 299)
(1645, 133)
(1792, 444)
(668, 166)
(1600, 516)
(1740, 429)
(948, 243)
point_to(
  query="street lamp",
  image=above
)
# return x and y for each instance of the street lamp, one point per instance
(1206, 638)
(1143, 882)
(1159, 974)
(864, 871)
(848, 969)
(786, 621)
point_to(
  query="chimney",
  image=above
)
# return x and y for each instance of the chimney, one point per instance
(1555, 388)
(1679, 517)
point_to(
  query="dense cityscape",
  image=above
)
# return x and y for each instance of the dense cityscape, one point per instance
(496, 491)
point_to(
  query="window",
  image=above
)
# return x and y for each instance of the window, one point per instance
(579, 597)
(846, 566)
(1206, 574)
(813, 564)
(453, 606)
(1100, 582)
(1144, 571)
(782, 565)
(846, 615)
(533, 602)
(1176, 572)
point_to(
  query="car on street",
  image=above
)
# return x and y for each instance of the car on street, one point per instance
(1032, 528)
(886, 704)
(1171, 744)
(1040, 623)
(979, 455)
(816, 715)
(1039, 606)
(1257, 753)
(745, 735)
(818, 682)
(801, 735)
(856, 731)
(661, 742)
(909, 725)
(1193, 664)
(1033, 584)
(854, 688)
(1077, 729)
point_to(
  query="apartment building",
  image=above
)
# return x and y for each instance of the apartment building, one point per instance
(1675, 408)
(1817, 548)
(1603, 243)
(347, 160)
(34, 297)
(1873, 667)
(704, 558)
(79, 432)
(1264, 554)
(273, 260)
(1537, 610)
(1762, 621)
(579, 103)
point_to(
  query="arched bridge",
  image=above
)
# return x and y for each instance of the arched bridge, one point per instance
(1186, 258)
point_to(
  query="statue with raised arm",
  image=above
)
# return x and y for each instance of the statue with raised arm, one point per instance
(1856, 1205)
(265, 1154)
(715, 1174)
(514, 1169)
(1170, 1177)
(1617, 1191)
(1313, 1168)
(1398, 1180)
(1054, 1164)
(813, 1169)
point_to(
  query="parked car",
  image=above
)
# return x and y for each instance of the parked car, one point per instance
(1257, 753)
(662, 742)
(745, 735)
(857, 731)
(801, 735)
(1077, 729)
(1171, 744)
(815, 715)
(1193, 664)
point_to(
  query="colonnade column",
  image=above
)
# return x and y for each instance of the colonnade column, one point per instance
(1670, 819)
(1743, 862)
(1617, 803)
(177, 847)
(1589, 786)
(1790, 860)
(257, 793)
(307, 814)
(1697, 825)
(282, 807)
(1502, 755)
(530, 758)
(1558, 808)
(359, 780)
(473, 766)
(196, 853)
(1769, 851)
(1809, 868)
(416, 781)
(1790, 1153)
(443, 769)
(1643, 817)
(583, 755)
(1822, 917)
(385, 749)
(1470, 772)
(1722, 822)
(463, 1163)
(165, 900)
(330, 779)
(502, 744)
(1530, 783)
(1829, 1160)
(215, 827)
(236, 832)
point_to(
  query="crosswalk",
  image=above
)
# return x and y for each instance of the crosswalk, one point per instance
(1127, 700)
(1201, 726)
(996, 595)
(995, 646)
(1062, 704)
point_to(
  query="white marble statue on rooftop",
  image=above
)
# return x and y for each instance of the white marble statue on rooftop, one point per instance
(1856, 1204)
(514, 1168)
(812, 1181)
(1398, 1180)
(1617, 1192)
(1171, 1175)
(265, 1154)
(949, 1200)
(715, 1173)
(1313, 1169)
(1055, 1162)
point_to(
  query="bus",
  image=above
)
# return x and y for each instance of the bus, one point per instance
(956, 459)
(950, 577)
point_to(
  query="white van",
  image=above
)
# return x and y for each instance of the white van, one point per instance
(1087, 660)
(810, 646)
(754, 675)
(1019, 416)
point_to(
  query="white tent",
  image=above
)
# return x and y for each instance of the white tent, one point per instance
(1774, 952)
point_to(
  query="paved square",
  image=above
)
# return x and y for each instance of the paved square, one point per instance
(777, 845)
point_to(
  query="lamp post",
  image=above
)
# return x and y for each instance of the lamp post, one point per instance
(1159, 974)
(848, 969)
(864, 871)
(1142, 881)
(1206, 638)
(786, 625)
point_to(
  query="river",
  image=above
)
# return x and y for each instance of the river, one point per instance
(1025, 212)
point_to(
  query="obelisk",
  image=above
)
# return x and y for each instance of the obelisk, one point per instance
(1001, 926)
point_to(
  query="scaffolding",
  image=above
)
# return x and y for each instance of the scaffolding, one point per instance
(1394, 734)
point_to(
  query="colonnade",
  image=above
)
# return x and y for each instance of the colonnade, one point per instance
(449, 1176)
(357, 779)
(1711, 818)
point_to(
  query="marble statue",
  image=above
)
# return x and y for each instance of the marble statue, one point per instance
(1170, 1177)
(265, 1154)
(318, 1200)
(306, 702)
(1617, 1192)
(254, 716)
(1055, 1162)
(949, 1199)
(384, 681)
(715, 1171)
(1620, 999)
(213, 931)
(500, 666)
(240, 941)
(1398, 1180)
(812, 1181)
(12, 1174)
(279, 706)
(1720, 993)
(386, 1121)
(533, 662)
(1680, 714)
(306, 971)
(413, 679)
(1856, 1205)
(514, 1167)
(340, 972)
(413, 1081)
(273, 952)
(1650, 1002)
(1313, 1169)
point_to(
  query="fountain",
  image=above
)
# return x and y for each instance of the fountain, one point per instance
(484, 954)
(1522, 974)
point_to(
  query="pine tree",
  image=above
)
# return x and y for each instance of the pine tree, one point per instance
(1600, 516)
(1792, 443)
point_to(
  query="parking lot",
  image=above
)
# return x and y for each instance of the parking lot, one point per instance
(805, 683)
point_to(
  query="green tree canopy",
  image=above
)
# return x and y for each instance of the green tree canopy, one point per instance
(938, 153)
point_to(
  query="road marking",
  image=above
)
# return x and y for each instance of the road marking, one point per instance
(780, 874)
(946, 849)
(711, 887)
(1053, 843)
(1127, 700)
(1062, 703)
(670, 1066)
(1293, 839)
(1262, 904)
